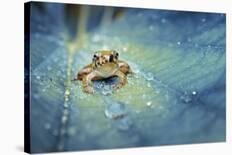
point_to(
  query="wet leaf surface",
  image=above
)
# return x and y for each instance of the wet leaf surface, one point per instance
(176, 96)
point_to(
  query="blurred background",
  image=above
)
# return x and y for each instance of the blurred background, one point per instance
(177, 95)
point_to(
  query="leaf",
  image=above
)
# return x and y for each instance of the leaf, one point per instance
(177, 95)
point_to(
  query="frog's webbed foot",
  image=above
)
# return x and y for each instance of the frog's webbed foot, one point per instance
(86, 81)
(122, 79)
(88, 89)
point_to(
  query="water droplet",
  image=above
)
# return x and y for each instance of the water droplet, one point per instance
(186, 98)
(71, 131)
(140, 14)
(49, 68)
(67, 92)
(149, 103)
(137, 111)
(55, 132)
(105, 47)
(55, 60)
(96, 38)
(194, 92)
(106, 92)
(64, 119)
(65, 104)
(163, 20)
(151, 27)
(37, 35)
(66, 112)
(115, 110)
(66, 99)
(136, 69)
(124, 49)
(167, 97)
(160, 107)
(149, 76)
(148, 85)
(47, 126)
(157, 91)
(38, 77)
(124, 124)
(144, 96)
(178, 43)
(203, 19)
(36, 96)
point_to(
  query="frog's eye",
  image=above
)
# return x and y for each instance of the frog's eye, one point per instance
(115, 53)
(111, 59)
(95, 55)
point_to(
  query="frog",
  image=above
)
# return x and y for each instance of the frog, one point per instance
(105, 64)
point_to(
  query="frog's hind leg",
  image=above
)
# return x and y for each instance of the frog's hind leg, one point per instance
(122, 79)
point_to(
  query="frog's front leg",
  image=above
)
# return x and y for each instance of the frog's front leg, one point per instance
(122, 79)
(86, 81)
(124, 67)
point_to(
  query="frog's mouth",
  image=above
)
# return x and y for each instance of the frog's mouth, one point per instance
(107, 70)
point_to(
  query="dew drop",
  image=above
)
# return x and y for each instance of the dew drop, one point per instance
(140, 14)
(149, 76)
(55, 132)
(106, 92)
(47, 126)
(189, 39)
(124, 124)
(96, 38)
(105, 47)
(38, 77)
(67, 92)
(71, 131)
(186, 98)
(144, 96)
(137, 111)
(149, 103)
(157, 91)
(163, 20)
(194, 92)
(115, 110)
(64, 119)
(124, 49)
(151, 27)
(36, 96)
(66, 104)
(49, 68)
(66, 112)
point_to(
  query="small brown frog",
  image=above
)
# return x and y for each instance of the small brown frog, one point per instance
(105, 64)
